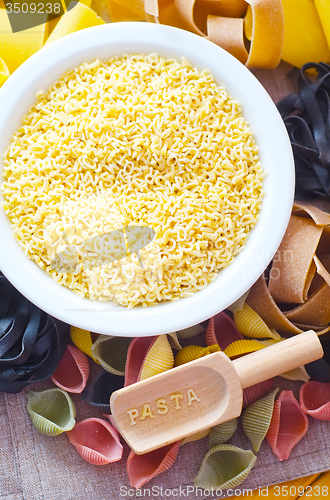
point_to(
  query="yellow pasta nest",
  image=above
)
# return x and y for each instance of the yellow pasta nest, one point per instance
(137, 140)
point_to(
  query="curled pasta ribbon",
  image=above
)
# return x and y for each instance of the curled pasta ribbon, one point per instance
(151, 7)
(266, 25)
(304, 38)
(323, 10)
(194, 16)
(305, 115)
(299, 274)
(221, 21)
(267, 33)
(295, 254)
(122, 10)
(228, 33)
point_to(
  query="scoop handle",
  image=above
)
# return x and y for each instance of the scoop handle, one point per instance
(281, 357)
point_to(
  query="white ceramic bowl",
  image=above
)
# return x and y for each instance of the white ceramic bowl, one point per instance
(103, 42)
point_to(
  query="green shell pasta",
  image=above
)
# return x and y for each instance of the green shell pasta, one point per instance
(224, 466)
(52, 411)
(221, 433)
(111, 353)
(257, 417)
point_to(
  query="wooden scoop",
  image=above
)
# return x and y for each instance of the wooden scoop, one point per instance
(202, 393)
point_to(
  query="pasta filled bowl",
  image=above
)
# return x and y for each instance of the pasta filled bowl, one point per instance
(147, 179)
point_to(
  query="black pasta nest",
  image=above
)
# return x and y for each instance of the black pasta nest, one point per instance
(31, 342)
(306, 115)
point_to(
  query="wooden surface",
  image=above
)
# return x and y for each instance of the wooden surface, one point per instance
(276, 81)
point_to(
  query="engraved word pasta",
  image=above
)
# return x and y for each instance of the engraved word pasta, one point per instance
(163, 406)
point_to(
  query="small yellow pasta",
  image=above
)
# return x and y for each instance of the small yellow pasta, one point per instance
(135, 140)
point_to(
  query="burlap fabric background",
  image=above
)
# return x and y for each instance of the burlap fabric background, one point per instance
(36, 467)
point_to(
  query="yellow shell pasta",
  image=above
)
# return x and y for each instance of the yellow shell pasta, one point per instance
(250, 324)
(191, 352)
(244, 346)
(158, 359)
(83, 340)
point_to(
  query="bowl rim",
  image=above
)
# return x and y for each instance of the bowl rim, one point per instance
(233, 281)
